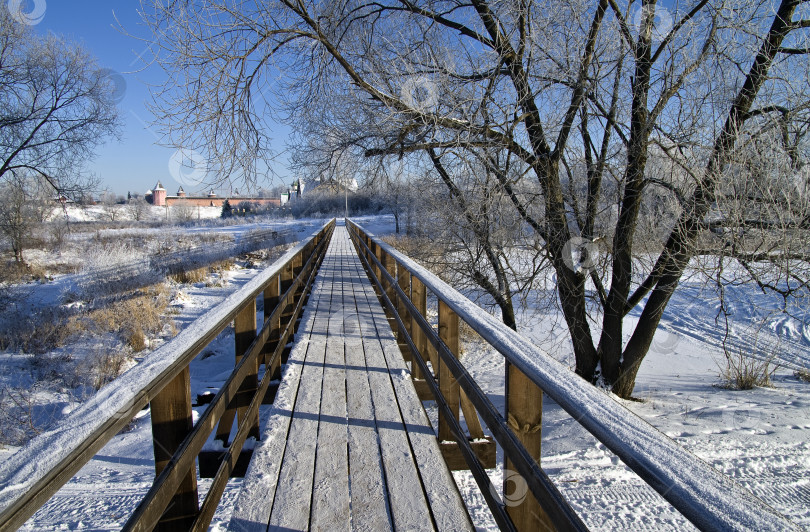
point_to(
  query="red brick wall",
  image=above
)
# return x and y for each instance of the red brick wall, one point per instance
(217, 202)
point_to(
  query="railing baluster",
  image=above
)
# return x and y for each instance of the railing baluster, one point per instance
(403, 278)
(245, 332)
(272, 299)
(524, 407)
(419, 300)
(286, 280)
(171, 422)
(448, 332)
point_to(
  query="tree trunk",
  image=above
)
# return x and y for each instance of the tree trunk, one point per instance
(679, 247)
(610, 343)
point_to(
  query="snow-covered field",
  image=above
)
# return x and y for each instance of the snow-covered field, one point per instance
(759, 437)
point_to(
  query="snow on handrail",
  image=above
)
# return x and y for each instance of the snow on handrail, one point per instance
(709, 499)
(50, 458)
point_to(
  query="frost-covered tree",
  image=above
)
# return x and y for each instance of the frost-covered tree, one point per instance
(56, 107)
(25, 204)
(605, 112)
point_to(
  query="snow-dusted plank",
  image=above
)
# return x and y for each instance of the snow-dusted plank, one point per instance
(709, 499)
(255, 500)
(291, 505)
(348, 460)
(370, 510)
(444, 500)
(330, 495)
(406, 497)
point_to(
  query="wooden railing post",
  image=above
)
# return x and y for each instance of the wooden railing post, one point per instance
(419, 300)
(298, 266)
(171, 423)
(245, 331)
(420, 341)
(524, 408)
(285, 282)
(244, 325)
(286, 277)
(366, 252)
(298, 261)
(272, 299)
(448, 332)
(403, 278)
(377, 250)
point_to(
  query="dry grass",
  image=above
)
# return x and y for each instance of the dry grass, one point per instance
(199, 275)
(744, 372)
(137, 341)
(196, 275)
(39, 333)
(222, 266)
(14, 272)
(133, 318)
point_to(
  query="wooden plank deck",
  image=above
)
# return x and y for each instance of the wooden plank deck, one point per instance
(348, 444)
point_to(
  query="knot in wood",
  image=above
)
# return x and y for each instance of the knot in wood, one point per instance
(525, 429)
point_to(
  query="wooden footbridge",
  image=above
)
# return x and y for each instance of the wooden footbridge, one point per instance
(344, 441)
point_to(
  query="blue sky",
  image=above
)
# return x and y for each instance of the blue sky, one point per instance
(135, 163)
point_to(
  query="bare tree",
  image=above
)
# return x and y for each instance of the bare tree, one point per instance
(183, 212)
(18, 213)
(109, 205)
(602, 112)
(56, 106)
(138, 209)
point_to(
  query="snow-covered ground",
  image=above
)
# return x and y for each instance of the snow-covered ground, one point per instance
(92, 213)
(759, 437)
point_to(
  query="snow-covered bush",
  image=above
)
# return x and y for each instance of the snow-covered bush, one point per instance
(115, 269)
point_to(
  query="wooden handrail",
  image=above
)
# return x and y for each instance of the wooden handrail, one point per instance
(33, 474)
(709, 499)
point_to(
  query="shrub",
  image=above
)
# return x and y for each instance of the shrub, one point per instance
(42, 330)
(21, 272)
(183, 212)
(17, 407)
(802, 375)
(59, 231)
(114, 269)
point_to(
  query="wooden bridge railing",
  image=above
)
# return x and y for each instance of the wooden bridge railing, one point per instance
(710, 500)
(34, 473)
